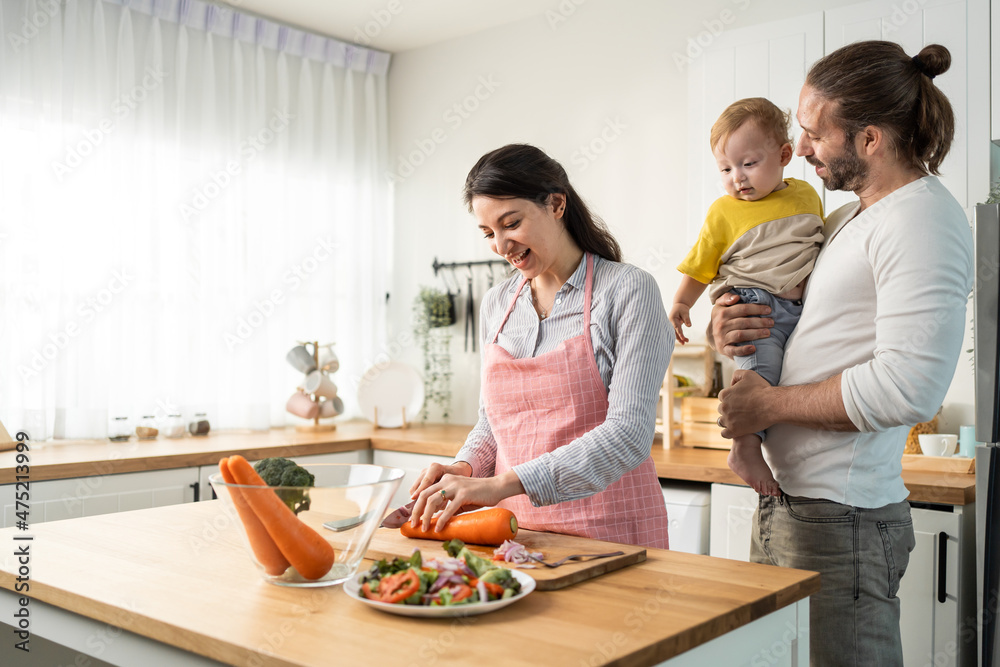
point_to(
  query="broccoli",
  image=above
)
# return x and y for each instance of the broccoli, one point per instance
(282, 472)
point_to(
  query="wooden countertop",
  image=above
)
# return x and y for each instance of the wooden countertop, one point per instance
(709, 465)
(85, 458)
(159, 573)
(62, 459)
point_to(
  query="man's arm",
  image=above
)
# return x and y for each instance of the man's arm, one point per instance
(752, 405)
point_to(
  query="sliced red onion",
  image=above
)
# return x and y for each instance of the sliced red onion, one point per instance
(481, 587)
(513, 552)
(437, 585)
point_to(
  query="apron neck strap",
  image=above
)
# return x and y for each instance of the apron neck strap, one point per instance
(587, 293)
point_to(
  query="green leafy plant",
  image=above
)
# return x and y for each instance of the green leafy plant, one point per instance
(433, 314)
(994, 196)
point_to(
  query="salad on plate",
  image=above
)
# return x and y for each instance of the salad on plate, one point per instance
(461, 579)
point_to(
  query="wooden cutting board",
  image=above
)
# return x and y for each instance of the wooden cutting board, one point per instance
(390, 543)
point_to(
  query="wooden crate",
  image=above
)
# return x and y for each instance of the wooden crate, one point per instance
(666, 425)
(699, 423)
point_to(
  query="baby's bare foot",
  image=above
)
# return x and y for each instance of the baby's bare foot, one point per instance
(747, 461)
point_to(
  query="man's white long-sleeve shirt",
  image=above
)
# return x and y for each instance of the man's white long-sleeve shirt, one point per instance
(885, 305)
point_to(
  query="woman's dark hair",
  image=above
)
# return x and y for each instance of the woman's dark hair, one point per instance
(876, 83)
(520, 171)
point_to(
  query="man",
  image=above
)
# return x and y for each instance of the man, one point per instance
(875, 349)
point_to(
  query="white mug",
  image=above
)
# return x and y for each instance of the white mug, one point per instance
(328, 360)
(938, 444)
(318, 384)
(301, 359)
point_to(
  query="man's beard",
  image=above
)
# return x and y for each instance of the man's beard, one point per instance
(844, 172)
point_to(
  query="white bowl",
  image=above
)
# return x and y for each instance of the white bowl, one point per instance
(938, 444)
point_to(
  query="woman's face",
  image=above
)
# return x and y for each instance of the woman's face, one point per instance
(530, 237)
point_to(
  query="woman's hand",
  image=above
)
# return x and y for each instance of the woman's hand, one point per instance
(461, 491)
(434, 472)
(734, 322)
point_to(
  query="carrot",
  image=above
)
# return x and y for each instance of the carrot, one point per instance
(267, 552)
(304, 548)
(490, 526)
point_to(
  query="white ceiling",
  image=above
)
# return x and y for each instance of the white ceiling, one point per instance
(395, 25)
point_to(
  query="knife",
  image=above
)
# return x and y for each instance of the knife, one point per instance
(399, 517)
(404, 513)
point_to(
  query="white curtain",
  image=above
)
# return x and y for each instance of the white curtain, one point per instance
(186, 192)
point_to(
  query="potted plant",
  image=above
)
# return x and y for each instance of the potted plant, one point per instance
(433, 314)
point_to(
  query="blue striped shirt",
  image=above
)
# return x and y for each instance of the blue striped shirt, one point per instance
(632, 340)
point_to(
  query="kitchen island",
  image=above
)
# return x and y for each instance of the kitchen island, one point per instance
(179, 585)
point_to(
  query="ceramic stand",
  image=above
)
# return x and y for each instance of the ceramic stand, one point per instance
(402, 409)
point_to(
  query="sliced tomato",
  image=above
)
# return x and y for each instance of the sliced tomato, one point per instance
(461, 593)
(366, 590)
(491, 588)
(494, 589)
(397, 587)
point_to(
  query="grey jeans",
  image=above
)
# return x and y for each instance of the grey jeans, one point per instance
(861, 555)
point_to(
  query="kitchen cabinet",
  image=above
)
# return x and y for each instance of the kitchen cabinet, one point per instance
(730, 521)
(205, 491)
(912, 26)
(771, 60)
(766, 60)
(938, 611)
(937, 593)
(411, 465)
(52, 500)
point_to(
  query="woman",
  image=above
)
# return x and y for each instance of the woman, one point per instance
(575, 348)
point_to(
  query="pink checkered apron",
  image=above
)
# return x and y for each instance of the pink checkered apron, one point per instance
(538, 404)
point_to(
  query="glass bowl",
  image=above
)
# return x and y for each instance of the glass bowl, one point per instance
(344, 507)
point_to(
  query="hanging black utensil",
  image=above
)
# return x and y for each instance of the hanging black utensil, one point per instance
(452, 315)
(470, 314)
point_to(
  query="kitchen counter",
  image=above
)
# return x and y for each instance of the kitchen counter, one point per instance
(84, 458)
(709, 465)
(177, 579)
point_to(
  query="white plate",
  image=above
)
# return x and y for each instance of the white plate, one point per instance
(353, 589)
(392, 389)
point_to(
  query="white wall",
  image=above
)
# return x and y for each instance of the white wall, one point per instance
(559, 81)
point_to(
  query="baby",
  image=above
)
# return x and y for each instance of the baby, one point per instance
(759, 240)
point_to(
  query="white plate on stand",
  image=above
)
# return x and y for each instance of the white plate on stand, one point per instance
(394, 390)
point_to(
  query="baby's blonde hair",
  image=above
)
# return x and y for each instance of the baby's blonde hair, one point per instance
(769, 118)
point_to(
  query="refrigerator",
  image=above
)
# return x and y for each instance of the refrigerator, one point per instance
(986, 295)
